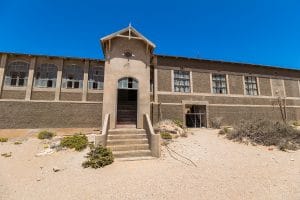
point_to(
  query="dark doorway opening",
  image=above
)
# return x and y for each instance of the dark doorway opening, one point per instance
(195, 116)
(127, 107)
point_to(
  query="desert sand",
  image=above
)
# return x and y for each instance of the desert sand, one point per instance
(220, 169)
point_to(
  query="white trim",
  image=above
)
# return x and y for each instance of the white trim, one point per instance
(227, 105)
(172, 80)
(283, 85)
(52, 101)
(37, 89)
(95, 91)
(271, 83)
(258, 86)
(191, 82)
(227, 83)
(211, 83)
(6, 87)
(244, 85)
(69, 90)
(222, 95)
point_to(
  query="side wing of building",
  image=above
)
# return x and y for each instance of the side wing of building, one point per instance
(45, 91)
(199, 91)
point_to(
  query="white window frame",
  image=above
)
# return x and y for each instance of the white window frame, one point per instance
(251, 87)
(181, 81)
(45, 73)
(74, 71)
(17, 68)
(219, 84)
(94, 77)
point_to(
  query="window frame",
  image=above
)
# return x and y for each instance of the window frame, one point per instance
(251, 91)
(93, 84)
(219, 83)
(180, 78)
(76, 73)
(40, 72)
(21, 75)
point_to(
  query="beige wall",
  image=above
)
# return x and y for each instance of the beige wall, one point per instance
(117, 67)
(201, 82)
(264, 86)
(236, 85)
(278, 87)
(291, 88)
(164, 80)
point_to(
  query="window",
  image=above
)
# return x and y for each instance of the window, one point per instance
(72, 77)
(181, 81)
(251, 85)
(96, 77)
(219, 84)
(16, 74)
(45, 76)
(127, 83)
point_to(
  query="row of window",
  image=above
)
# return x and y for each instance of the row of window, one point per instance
(46, 74)
(219, 83)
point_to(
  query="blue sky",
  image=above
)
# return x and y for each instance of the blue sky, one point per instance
(252, 31)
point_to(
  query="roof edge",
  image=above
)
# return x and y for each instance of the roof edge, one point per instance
(228, 62)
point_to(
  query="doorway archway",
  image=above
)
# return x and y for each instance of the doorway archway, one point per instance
(127, 101)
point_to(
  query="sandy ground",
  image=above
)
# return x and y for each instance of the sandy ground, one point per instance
(224, 170)
(25, 133)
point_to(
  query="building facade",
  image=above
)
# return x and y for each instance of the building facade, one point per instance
(47, 91)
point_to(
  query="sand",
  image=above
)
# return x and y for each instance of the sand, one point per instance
(224, 170)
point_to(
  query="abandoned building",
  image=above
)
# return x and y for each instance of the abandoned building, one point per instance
(40, 91)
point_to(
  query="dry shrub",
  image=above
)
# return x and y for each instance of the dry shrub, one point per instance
(3, 139)
(45, 135)
(172, 127)
(266, 132)
(216, 122)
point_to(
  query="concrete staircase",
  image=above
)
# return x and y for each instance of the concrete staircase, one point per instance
(129, 143)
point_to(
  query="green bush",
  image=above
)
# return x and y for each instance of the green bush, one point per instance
(266, 132)
(178, 123)
(45, 135)
(166, 136)
(3, 139)
(98, 157)
(77, 141)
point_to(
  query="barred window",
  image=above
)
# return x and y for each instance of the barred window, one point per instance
(182, 81)
(219, 84)
(96, 78)
(251, 85)
(45, 75)
(16, 74)
(127, 83)
(72, 77)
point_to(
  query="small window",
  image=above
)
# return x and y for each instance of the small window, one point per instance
(127, 83)
(46, 76)
(219, 84)
(16, 74)
(96, 78)
(251, 85)
(72, 77)
(182, 81)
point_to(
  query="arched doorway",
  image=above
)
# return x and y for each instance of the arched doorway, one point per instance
(127, 101)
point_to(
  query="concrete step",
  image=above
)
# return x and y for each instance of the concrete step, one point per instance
(129, 147)
(126, 136)
(138, 158)
(126, 131)
(113, 142)
(131, 154)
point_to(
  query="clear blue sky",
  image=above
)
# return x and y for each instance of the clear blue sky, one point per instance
(252, 31)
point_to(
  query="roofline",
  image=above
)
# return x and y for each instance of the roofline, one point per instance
(229, 62)
(52, 56)
(110, 36)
